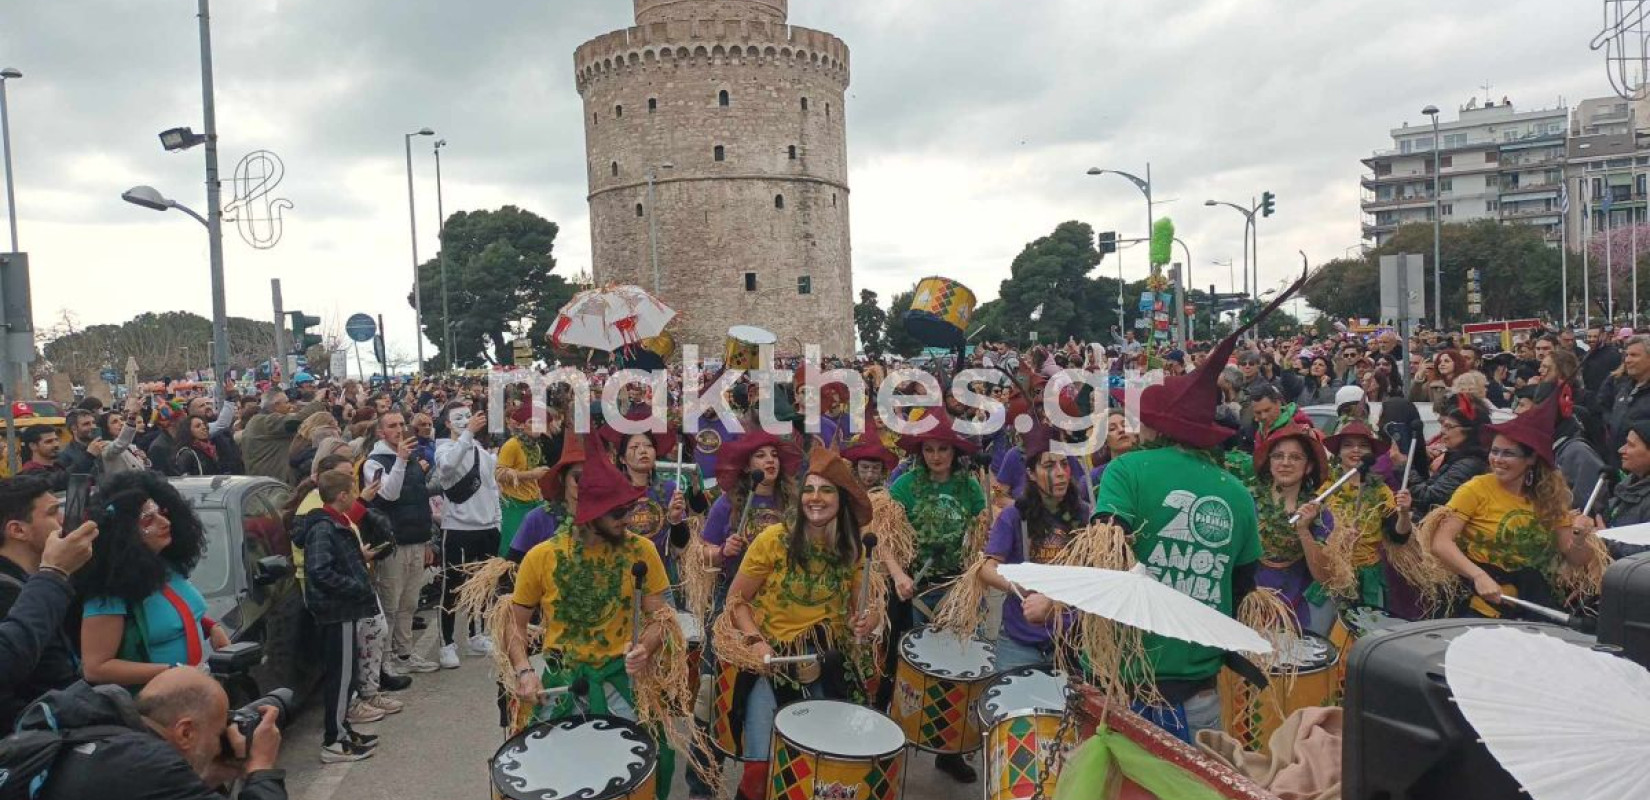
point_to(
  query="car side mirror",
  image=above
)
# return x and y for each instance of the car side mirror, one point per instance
(271, 570)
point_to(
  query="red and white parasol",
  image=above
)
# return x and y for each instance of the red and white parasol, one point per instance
(610, 319)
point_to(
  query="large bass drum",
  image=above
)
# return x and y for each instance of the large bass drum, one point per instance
(830, 750)
(939, 679)
(577, 758)
(1021, 711)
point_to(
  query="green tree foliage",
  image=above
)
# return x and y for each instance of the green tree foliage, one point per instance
(167, 344)
(871, 322)
(1519, 272)
(897, 340)
(498, 266)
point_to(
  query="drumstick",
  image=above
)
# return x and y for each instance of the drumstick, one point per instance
(803, 659)
(1296, 517)
(927, 564)
(1587, 510)
(1409, 464)
(639, 569)
(678, 465)
(1542, 611)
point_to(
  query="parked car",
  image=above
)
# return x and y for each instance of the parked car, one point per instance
(247, 576)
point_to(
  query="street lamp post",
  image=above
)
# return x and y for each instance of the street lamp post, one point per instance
(1250, 234)
(1183, 291)
(1145, 187)
(1437, 224)
(441, 254)
(9, 73)
(653, 220)
(412, 215)
(214, 210)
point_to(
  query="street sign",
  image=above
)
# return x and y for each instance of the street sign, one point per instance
(1403, 288)
(360, 328)
(339, 366)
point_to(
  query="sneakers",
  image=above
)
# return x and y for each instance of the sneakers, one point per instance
(481, 645)
(385, 703)
(343, 752)
(955, 766)
(449, 656)
(391, 682)
(364, 713)
(416, 664)
(365, 741)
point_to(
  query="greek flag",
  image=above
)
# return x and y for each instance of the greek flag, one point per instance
(1564, 198)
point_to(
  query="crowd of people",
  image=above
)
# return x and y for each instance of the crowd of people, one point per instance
(1470, 468)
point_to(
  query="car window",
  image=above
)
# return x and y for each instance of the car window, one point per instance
(211, 575)
(266, 534)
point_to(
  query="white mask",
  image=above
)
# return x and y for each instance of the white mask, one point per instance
(458, 419)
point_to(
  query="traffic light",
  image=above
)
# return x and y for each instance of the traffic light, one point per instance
(1268, 204)
(1108, 242)
(302, 340)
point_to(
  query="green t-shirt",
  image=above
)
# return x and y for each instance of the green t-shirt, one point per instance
(941, 514)
(1193, 525)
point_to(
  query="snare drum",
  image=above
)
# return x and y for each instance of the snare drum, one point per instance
(694, 634)
(940, 312)
(939, 680)
(1251, 715)
(830, 750)
(744, 347)
(725, 731)
(578, 758)
(1352, 624)
(1021, 711)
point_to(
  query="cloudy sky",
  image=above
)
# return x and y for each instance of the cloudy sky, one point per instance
(971, 123)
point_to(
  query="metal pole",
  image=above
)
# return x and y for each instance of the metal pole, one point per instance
(1182, 286)
(1437, 233)
(5, 142)
(1632, 210)
(653, 226)
(1609, 269)
(1564, 266)
(214, 211)
(441, 256)
(1586, 266)
(281, 345)
(418, 291)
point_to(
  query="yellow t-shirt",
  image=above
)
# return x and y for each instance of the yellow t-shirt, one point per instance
(584, 593)
(1367, 509)
(1502, 529)
(512, 456)
(795, 599)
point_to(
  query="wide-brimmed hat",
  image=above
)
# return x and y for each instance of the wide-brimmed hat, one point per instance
(869, 447)
(1309, 442)
(602, 488)
(945, 432)
(831, 393)
(1378, 441)
(1182, 407)
(1533, 429)
(551, 486)
(825, 463)
(733, 461)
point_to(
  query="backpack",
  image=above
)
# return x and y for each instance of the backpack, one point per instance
(28, 755)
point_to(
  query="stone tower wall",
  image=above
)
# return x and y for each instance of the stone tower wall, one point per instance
(652, 96)
(651, 11)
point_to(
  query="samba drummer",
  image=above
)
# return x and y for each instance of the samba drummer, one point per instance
(797, 593)
(581, 582)
(871, 460)
(661, 515)
(754, 473)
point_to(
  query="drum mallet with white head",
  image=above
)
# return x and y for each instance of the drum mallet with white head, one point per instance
(639, 569)
(803, 659)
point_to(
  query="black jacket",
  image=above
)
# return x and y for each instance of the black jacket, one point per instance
(163, 452)
(1459, 467)
(75, 458)
(230, 461)
(336, 585)
(137, 765)
(190, 461)
(36, 651)
(1629, 505)
(1597, 365)
(1630, 404)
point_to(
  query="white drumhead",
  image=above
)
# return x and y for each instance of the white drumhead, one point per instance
(948, 655)
(574, 758)
(836, 728)
(691, 629)
(1368, 618)
(751, 334)
(1310, 652)
(1030, 689)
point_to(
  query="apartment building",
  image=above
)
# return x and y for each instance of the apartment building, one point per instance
(1606, 162)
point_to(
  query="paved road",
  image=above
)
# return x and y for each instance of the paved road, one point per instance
(438, 748)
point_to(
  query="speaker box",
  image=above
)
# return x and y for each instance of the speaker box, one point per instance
(1404, 738)
(1624, 608)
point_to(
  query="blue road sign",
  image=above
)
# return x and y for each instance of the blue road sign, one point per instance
(361, 328)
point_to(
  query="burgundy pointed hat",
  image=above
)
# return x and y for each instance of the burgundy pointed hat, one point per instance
(1535, 429)
(1182, 407)
(733, 461)
(869, 447)
(944, 433)
(601, 487)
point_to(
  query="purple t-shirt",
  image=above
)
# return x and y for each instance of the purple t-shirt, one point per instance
(537, 527)
(1004, 546)
(720, 522)
(1012, 474)
(708, 442)
(649, 518)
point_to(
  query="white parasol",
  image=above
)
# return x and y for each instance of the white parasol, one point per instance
(1136, 598)
(610, 319)
(1628, 534)
(1568, 723)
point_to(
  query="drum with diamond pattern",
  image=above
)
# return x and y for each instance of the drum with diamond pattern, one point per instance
(939, 679)
(831, 750)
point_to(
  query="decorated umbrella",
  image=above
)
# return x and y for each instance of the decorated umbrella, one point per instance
(1136, 598)
(1568, 723)
(610, 319)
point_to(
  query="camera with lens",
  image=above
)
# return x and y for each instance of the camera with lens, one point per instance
(248, 717)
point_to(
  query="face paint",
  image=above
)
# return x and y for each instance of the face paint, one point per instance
(458, 420)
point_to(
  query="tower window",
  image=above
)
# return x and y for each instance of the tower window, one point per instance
(722, 98)
(615, 168)
(827, 110)
(596, 119)
(750, 281)
(779, 202)
(793, 152)
(721, 153)
(618, 111)
(804, 104)
(652, 104)
(833, 199)
(805, 285)
(639, 210)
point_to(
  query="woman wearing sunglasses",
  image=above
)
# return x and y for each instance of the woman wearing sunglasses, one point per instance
(142, 615)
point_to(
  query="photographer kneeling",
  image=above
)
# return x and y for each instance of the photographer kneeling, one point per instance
(179, 743)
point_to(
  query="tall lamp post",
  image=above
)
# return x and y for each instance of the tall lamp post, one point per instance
(1250, 236)
(9, 73)
(441, 254)
(412, 215)
(653, 220)
(1183, 293)
(1145, 187)
(1437, 224)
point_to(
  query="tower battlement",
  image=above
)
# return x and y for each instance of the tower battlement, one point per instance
(683, 43)
(649, 11)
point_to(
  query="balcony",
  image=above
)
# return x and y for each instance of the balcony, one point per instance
(1520, 214)
(1509, 160)
(1526, 188)
(1371, 181)
(1419, 198)
(1378, 231)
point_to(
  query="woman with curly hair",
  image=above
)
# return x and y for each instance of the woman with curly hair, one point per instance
(142, 615)
(1512, 532)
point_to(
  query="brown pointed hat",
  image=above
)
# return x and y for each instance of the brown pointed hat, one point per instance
(552, 485)
(1182, 407)
(825, 463)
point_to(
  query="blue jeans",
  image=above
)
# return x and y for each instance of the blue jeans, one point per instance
(759, 710)
(930, 600)
(1013, 655)
(1200, 712)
